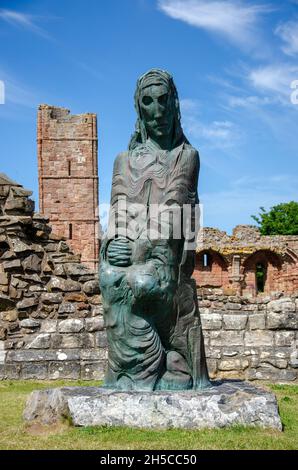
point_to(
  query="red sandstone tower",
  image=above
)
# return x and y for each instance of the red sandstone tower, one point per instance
(68, 177)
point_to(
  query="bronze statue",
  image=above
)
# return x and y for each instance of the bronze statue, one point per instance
(153, 326)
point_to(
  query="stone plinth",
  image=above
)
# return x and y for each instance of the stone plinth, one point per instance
(223, 404)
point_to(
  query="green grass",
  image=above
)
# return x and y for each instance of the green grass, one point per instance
(14, 434)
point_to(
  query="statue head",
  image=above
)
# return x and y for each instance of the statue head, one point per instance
(158, 110)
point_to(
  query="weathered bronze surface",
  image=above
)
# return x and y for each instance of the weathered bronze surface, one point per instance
(151, 314)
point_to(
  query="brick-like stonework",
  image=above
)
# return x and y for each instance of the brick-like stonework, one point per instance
(232, 261)
(68, 178)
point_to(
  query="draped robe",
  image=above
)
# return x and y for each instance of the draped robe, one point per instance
(150, 306)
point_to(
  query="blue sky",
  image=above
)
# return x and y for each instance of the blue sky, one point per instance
(233, 63)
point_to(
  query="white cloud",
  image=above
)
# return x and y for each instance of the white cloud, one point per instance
(223, 134)
(249, 101)
(22, 20)
(17, 93)
(274, 78)
(234, 19)
(289, 34)
(189, 106)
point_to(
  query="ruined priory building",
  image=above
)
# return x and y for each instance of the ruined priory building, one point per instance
(51, 323)
(68, 178)
(246, 263)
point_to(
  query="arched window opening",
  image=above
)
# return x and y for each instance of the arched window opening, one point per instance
(261, 275)
(70, 232)
(206, 260)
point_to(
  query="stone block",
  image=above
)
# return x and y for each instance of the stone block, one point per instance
(36, 289)
(228, 338)
(3, 279)
(12, 371)
(101, 339)
(51, 298)
(41, 341)
(284, 321)
(94, 355)
(48, 326)
(64, 285)
(75, 269)
(211, 321)
(29, 323)
(234, 322)
(282, 352)
(279, 363)
(284, 305)
(93, 371)
(27, 303)
(88, 340)
(68, 354)
(59, 270)
(212, 353)
(5, 290)
(271, 373)
(95, 300)
(294, 359)
(284, 338)
(66, 341)
(257, 321)
(71, 326)
(224, 404)
(2, 356)
(94, 324)
(35, 371)
(259, 338)
(32, 263)
(6, 303)
(76, 297)
(233, 306)
(66, 308)
(204, 303)
(12, 265)
(64, 370)
(91, 288)
(96, 310)
(10, 315)
(44, 355)
(229, 364)
(212, 367)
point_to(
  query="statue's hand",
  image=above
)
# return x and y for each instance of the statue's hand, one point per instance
(119, 252)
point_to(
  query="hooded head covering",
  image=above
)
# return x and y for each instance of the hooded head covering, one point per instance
(156, 77)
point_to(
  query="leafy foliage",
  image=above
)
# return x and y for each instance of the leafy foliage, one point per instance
(279, 220)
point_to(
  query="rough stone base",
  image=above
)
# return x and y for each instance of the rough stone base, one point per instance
(224, 404)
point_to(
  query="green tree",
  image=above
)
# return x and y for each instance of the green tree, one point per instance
(279, 220)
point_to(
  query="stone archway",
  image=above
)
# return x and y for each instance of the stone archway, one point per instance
(261, 272)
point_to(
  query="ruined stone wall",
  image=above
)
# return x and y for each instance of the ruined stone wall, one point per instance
(234, 260)
(252, 339)
(68, 178)
(51, 322)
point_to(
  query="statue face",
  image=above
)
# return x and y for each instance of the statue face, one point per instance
(157, 111)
